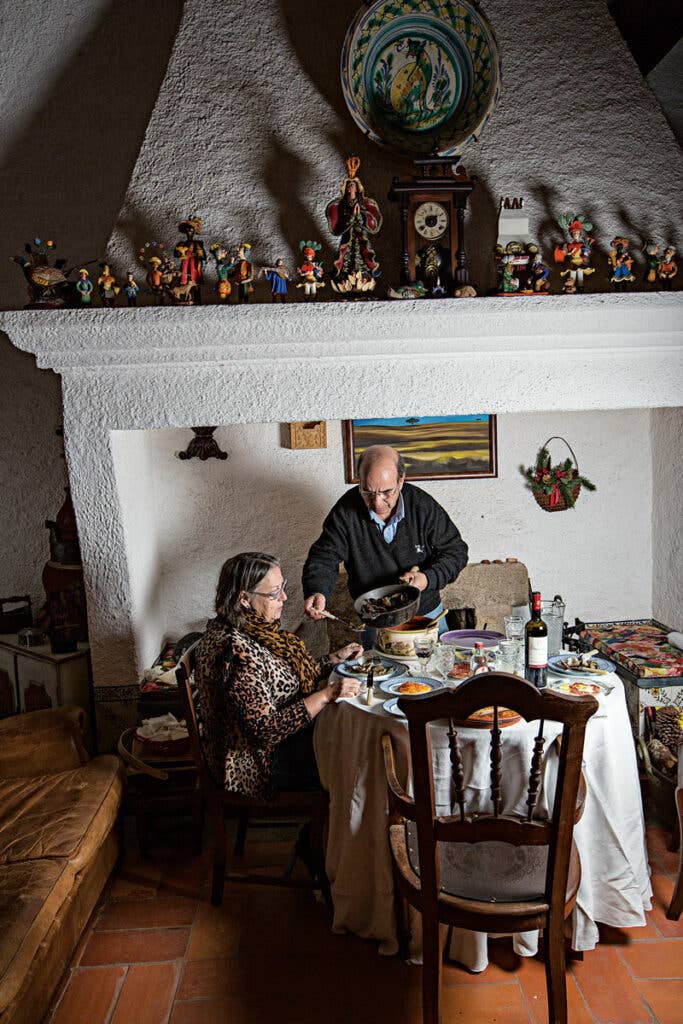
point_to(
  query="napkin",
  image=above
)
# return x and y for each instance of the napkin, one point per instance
(676, 639)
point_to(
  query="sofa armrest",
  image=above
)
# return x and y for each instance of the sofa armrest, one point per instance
(42, 743)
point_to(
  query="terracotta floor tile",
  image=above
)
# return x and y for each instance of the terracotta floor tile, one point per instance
(663, 889)
(147, 994)
(215, 933)
(610, 936)
(152, 945)
(185, 877)
(665, 999)
(136, 880)
(608, 988)
(480, 1004)
(89, 996)
(212, 1011)
(503, 962)
(658, 842)
(532, 979)
(171, 912)
(213, 979)
(663, 959)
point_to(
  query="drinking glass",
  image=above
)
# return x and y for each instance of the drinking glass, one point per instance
(509, 655)
(444, 659)
(514, 627)
(424, 648)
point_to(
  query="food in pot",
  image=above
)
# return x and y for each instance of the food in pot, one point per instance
(417, 622)
(375, 606)
(413, 687)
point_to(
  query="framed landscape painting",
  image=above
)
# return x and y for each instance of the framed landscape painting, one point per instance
(433, 447)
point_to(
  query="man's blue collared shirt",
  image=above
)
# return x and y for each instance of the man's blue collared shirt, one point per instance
(388, 529)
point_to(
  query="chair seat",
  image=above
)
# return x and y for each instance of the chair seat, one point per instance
(490, 872)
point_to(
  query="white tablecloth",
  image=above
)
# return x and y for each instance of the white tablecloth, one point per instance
(615, 884)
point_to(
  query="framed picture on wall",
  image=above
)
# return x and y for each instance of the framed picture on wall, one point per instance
(433, 447)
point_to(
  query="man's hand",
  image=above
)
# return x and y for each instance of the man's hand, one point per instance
(348, 653)
(415, 578)
(315, 604)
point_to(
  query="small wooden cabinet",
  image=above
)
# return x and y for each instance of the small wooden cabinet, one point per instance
(32, 678)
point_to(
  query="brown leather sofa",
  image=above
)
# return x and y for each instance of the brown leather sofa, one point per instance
(58, 845)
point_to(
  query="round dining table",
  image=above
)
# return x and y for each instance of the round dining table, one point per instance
(610, 837)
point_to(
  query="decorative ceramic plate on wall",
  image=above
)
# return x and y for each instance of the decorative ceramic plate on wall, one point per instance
(421, 76)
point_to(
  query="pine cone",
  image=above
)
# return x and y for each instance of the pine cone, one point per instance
(667, 728)
(662, 757)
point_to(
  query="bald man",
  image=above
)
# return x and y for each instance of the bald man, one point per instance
(384, 531)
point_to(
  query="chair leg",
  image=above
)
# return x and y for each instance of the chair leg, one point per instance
(555, 967)
(241, 834)
(676, 905)
(432, 957)
(218, 859)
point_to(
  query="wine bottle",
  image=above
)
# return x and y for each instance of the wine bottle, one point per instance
(536, 646)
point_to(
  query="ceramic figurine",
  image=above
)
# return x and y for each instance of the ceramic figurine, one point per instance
(354, 217)
(311, 270)
(191, 254)
(243, 272)
(620, 263)
(416, 290)
(668, 268)
(84, 287)
(48, 286)
(223, 267)
(277, 277)
(131, 289)
(539, 275)
(509, 282)
(177, 291)
(652, 261)
(575, 252)
(154, 257)
(107, 286)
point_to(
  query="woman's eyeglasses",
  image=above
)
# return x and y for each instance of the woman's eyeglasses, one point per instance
(272, 595)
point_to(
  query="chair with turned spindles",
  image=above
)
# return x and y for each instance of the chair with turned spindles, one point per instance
(444, 865)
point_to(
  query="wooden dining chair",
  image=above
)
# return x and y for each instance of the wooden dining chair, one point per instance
(221, 805)
(676, 905)
(455, 884)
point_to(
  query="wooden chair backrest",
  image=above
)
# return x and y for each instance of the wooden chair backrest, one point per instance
(497, 690)
(183, 673)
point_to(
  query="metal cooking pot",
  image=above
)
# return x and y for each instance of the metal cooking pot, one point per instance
(389, 618)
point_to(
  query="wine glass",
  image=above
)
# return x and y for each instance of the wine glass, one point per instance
(424, 648)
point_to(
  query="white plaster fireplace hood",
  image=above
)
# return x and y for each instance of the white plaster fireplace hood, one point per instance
(127, 369)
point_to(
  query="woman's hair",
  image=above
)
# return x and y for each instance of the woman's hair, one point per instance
(240, 573)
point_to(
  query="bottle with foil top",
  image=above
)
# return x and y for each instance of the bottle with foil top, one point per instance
(479, 661)
(536, 645)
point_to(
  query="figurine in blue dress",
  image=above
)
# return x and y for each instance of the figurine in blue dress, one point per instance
(278, 278)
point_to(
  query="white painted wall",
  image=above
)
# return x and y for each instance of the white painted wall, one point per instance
(182, 519)
(667, 516)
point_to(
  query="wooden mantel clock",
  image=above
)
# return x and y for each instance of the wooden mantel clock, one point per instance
(432, 205)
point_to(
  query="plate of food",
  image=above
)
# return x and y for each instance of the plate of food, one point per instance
(580, 687)
(483, 718)
(421, 76)
(359, 668)
(412, 687)
(465, 639)
(580, 664)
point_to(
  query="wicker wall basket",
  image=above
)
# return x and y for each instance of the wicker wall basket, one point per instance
(555, 501)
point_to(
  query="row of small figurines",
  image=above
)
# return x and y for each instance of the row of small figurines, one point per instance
(522, 270)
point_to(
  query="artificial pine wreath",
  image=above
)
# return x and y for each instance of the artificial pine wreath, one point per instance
(555, 487)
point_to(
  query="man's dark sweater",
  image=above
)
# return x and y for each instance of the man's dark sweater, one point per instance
(425, 537)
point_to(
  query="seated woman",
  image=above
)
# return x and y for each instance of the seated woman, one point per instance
(259, 688)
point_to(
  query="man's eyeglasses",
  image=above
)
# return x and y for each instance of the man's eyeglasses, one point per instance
(272, 595)
(384, 495)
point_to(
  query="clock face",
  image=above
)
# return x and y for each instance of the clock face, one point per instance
(431, 220)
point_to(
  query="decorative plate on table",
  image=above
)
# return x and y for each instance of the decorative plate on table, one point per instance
(394, 686)
(465, 639)
(558, 663)
(421, 76)
(390, 670)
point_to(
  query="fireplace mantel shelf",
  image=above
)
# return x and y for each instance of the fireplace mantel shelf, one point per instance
(169, 366)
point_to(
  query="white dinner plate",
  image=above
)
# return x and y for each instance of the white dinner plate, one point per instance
(392, 707)
(555, 665)
(391, 685)
(394, 670)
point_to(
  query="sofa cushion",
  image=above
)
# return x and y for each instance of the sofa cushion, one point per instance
(31, 894)
(65, 815)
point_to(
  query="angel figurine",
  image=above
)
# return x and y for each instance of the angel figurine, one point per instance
(575, 252)
(354, 217)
